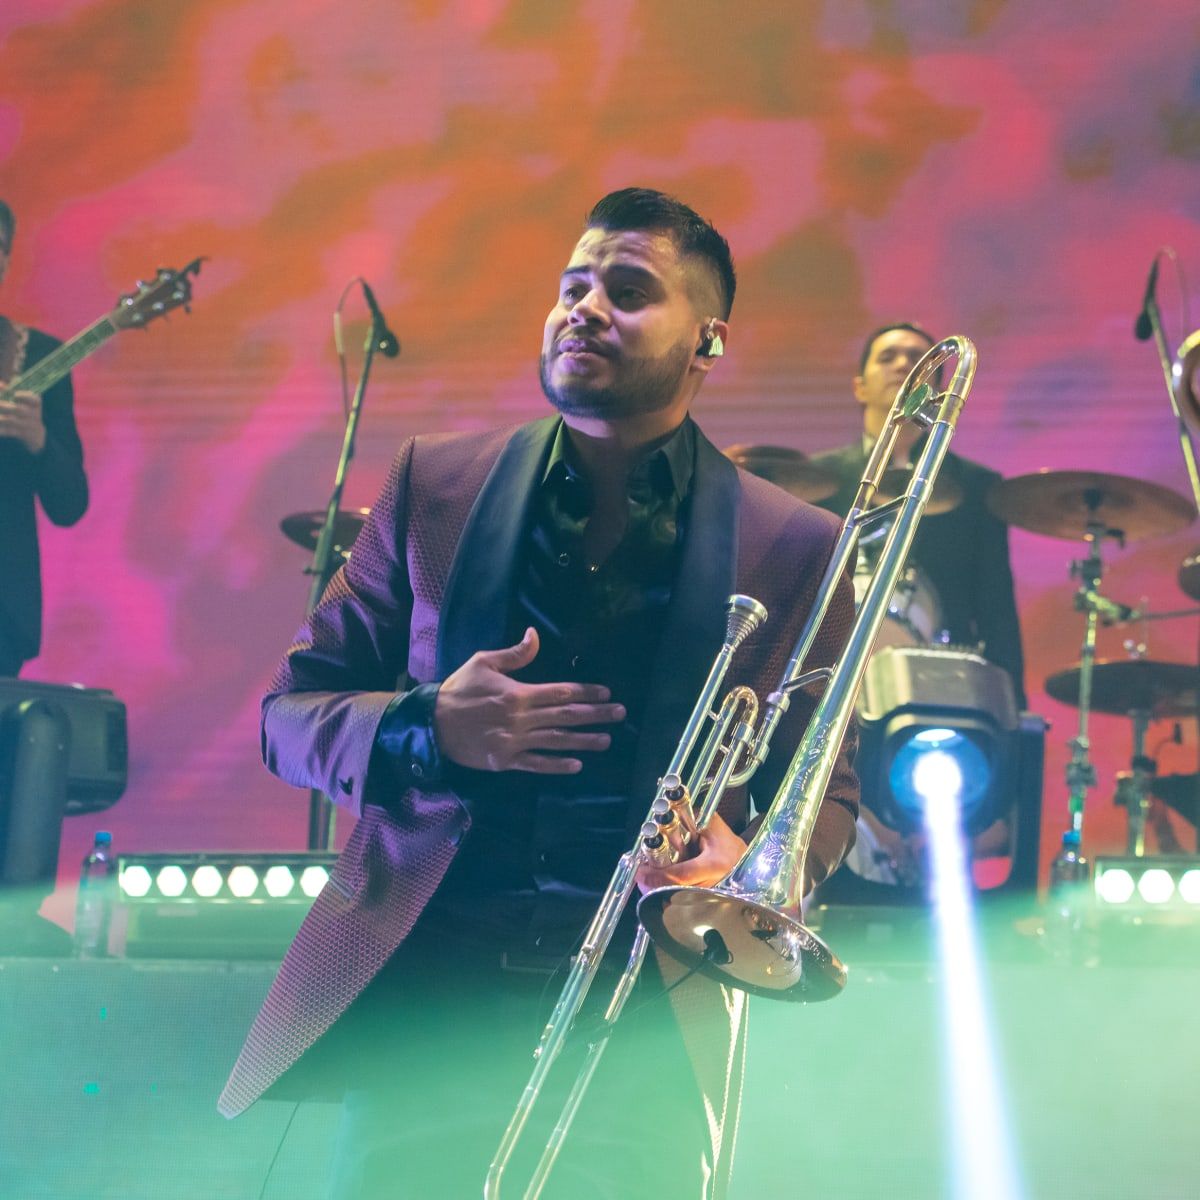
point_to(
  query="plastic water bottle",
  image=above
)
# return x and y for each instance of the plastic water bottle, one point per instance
(94, 901)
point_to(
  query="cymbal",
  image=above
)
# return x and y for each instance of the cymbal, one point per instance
(947, 491)
(1123, 686)
(789, 469)
(1189, 575)
(1061, 504)
(304, 528)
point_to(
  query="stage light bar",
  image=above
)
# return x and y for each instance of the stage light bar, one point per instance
(209, 878)
(1162, 883)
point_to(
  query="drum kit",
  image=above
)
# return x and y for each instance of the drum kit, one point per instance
(1080, 506)
(1093, 507)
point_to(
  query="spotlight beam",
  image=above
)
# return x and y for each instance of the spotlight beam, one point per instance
(981, 1142)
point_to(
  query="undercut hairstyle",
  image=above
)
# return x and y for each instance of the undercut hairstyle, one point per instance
(876, 334)
(644, 209)
(8, 225)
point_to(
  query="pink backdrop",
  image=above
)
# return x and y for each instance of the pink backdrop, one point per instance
(1003, 169)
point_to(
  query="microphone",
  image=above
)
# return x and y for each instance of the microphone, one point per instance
(386, 341)
(1144, 328)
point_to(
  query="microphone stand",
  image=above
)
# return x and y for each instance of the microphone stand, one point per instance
(1165, 360)
(321, 810)
(1154, 316)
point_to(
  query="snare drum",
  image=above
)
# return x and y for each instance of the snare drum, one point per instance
(914, 616)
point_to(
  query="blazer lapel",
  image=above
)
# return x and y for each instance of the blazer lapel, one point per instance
(695, 626)
(475, 606)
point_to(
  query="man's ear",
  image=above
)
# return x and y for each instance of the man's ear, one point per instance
(858, 390)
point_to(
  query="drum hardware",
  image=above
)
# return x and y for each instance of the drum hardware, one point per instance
(304, 528)
(789, 469)
(1091, 506)
(1143, 691)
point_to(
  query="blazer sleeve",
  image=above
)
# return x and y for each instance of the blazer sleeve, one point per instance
(327, 697)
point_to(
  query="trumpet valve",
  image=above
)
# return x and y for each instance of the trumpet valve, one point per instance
(656, 845)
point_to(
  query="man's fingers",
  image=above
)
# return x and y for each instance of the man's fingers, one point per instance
(561, 739)
(545, 764)
(562, 715)
(563, 695)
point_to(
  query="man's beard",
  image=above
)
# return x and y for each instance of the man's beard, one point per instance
(644, 385)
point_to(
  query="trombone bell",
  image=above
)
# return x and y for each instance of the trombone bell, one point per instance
(741, 942)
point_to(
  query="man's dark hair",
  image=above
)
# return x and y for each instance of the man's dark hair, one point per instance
(876, 334)
(646, 209)
(8, 225)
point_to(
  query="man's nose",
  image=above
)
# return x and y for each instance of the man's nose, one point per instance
(589, 309)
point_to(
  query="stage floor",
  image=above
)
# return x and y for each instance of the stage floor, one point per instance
(112, 1071)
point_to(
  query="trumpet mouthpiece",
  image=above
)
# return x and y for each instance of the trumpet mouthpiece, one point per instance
(744, 616)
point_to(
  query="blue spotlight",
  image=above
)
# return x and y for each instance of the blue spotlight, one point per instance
(932, 761)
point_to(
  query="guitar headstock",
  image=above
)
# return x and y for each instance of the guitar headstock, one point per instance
(156, 297)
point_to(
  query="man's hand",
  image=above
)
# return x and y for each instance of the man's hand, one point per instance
(712, 858)
(21, 418)
(485, 720)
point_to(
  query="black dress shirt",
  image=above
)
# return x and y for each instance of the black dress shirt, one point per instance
(541, 848)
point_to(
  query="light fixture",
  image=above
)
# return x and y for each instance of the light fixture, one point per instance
(211, 878)
(1159, 883)
(931, 714)
(217, 905)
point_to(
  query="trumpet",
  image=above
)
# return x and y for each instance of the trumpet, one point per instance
(747, 930)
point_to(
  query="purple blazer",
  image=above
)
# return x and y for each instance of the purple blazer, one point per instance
(427, 585)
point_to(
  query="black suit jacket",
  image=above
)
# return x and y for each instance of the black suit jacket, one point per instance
(56, 480)
(964, 553)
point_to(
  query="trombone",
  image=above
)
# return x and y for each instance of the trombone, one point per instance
(747, 930)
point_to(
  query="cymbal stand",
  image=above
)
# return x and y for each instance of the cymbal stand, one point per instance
(1133, 786)
(1070, 867)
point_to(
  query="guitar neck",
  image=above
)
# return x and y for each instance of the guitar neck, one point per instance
(46, 372)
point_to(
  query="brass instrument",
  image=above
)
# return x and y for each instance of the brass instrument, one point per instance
(1185, 381)
(746, 930)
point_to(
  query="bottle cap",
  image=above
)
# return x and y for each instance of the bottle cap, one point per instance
(103, 837)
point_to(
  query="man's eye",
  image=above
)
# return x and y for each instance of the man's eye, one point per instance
(572, 293)
(631, 295)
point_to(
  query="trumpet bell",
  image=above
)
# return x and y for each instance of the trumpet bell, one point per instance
(741, 942)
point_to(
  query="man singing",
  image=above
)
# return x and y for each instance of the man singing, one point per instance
(492, 685)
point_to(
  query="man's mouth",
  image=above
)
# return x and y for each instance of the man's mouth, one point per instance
(581, 346)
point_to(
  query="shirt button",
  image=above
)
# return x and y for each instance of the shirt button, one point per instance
(416, 770)
(593, 567)
(575, 660)
(564, 559)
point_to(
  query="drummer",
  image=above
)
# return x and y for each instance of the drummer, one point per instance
(962, 550)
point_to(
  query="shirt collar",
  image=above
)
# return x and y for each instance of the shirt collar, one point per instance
(665, 472)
